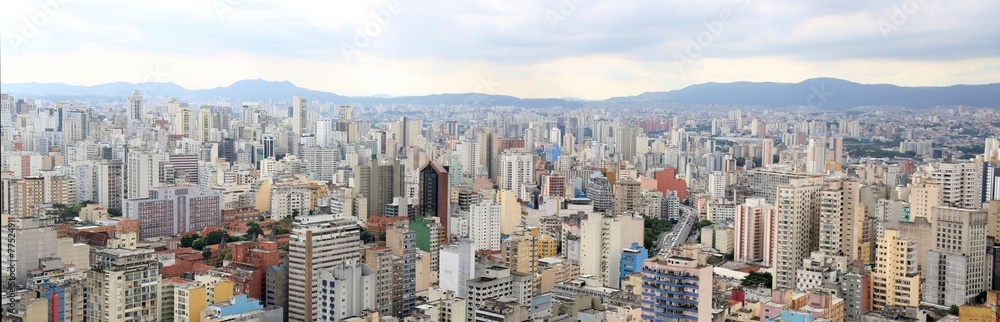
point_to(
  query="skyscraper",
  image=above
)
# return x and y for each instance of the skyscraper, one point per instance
(602, 238)
(300, 115)
(516, 172)
(380, 181)
(895, 281)
(317, 242)
(484, 225)
(754, 233)
(797, 225)
(134, 107)
(956, 266)
(434, 194)
(767, 152)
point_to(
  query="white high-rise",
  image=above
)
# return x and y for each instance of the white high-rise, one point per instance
(516, 170)
(457, 266)
(960, 184)
(300, 115)
(484, 225)
(767, 152)
(717, 185)
(134, 107)
(816, 155)
(602, 238)
(347, 291)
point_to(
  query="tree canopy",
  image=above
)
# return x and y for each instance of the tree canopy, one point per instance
(757, 279)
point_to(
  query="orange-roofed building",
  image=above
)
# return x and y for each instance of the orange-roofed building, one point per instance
(666, 180)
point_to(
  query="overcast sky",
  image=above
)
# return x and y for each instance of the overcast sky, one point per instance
(549, 48)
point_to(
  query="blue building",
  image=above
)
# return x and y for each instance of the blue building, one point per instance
(632, 259)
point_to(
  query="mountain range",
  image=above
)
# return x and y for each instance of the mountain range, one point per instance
(823, 93)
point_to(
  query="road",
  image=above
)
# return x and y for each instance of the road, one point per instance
(678, 234)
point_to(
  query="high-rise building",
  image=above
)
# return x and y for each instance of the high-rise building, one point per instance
(764, 183)
(300, 115)
(516, 172)
(796, 228)
(627, 196)
(522, 250)
(895, 281)
(134, 107)
(402, 242)
(175, 210)
(754, 232)
(767, 152)
(191, 298)
(600, 193)
(717, 185)
(317, 242)
(458, 266)
(434, 194)
(484, 225)
(632, 260)
(816, 155)
(380, 181)
(142, 171)
(383, 263)
(676, 289)
(123, 285)
(206, 123)
(957, 270)
(960, 183)
(841, 220)
(499, 282)
(855, 289)
(346, 291)
(602, 238)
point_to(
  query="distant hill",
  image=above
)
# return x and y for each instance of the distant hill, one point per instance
(262, 90)
(821, 93)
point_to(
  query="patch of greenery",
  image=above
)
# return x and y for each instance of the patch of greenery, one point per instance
(757, 279)
(653, 227)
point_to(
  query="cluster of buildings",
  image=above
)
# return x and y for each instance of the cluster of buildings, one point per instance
(152, 209)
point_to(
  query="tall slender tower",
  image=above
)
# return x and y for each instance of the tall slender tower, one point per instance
(134, 106)
(797, 226)
(434, 195)
(300, 115)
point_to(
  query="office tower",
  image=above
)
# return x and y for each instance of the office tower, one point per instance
(626, 140)
(627, 196)
(841, 220)
(688, 284)
(602, 238)
(956, 266)
(600, 193)
(754, 232)
(316, 242)
(458, 266)
(796, 228)
(855, 289)
(767, 152)
(346, 291)
(484, 225)
(142, 171)
(175, 210)
(434, 194)
(895, 281)
(123, 285)
(717, 185)
(816, 155)
(380, 181)
(764, 183)
(960, 183)
(402, 242)
(134, 107)
(516, 173)
(300, 115)
(499, 282)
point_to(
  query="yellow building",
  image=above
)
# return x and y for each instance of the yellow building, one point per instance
(976, 313)
(522, 250)
(895, 279)
(192, 298)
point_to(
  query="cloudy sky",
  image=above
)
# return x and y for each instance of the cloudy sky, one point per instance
(549, 48)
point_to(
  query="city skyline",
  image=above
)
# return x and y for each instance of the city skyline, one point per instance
(562, 49)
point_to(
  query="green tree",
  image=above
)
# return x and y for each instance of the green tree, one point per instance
(206, 253)
(253, 230)
(187, 240)
(199, 244)
(757, 279)
(114, 212)
(216, 237)
(367, 236)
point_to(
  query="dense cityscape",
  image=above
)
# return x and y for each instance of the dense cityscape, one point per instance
(143, 208)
